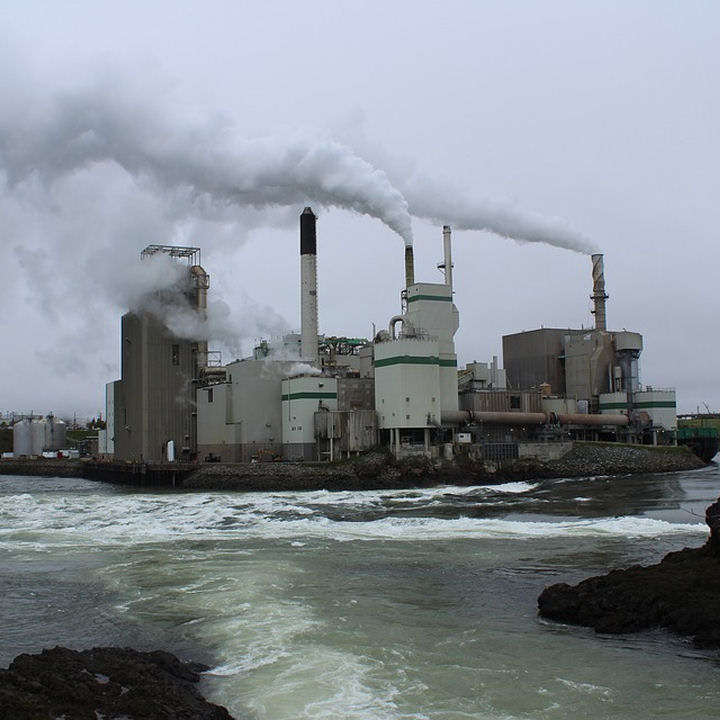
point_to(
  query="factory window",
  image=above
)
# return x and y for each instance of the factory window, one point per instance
(514, 402)
(175, 354)
(407, 417)
(210, 395)
(407, 399)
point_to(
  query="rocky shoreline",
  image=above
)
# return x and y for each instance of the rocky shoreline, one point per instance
(105, 682)
(680, 594)
(376, 471)
(379, 472)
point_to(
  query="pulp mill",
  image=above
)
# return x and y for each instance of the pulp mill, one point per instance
(314, 397)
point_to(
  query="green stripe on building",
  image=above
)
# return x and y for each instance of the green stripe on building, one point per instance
(441, 298)
(414, 360)
(640, 406)
(310, 396)
(408, 360)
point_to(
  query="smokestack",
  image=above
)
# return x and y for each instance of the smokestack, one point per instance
(447, 255)
(599, 296)
(409, 266)
(308, 287)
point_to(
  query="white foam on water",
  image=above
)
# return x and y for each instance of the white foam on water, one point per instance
(138, 519)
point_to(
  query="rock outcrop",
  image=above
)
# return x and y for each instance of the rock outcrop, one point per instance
(104, 683)
(681, 594)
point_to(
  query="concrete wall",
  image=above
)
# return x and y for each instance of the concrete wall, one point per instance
(158, 393)
(356, 393)
(244, 421)
(534, 357)
(589, 359)
(430, 308)
(544, 451)
(407, 383)
(302, 397)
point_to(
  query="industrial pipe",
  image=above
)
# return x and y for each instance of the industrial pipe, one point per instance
(525, 418)
(396, 319)
(494, 418)
(599, 296)
(595, 420)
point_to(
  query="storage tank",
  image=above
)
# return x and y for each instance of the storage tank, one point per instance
(22, 438)
(37, 435)
(55, 434)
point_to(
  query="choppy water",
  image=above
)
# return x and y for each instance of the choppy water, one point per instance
(394, 604)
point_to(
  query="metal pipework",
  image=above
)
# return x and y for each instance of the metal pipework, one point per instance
(594, 420)
(409, 266)
(447, 255)
(308, 286)
(521, 418)
(405, 324)
(599, 296)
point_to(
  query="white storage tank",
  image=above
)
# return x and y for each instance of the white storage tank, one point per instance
(38, 429)
(55, 434)
(22, 438)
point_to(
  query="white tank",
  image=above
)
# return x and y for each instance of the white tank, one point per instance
(37, 435)
(55, 432)
(22, 438)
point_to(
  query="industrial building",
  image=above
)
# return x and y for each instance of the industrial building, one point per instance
(309, 397)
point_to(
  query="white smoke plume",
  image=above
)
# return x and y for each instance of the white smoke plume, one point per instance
(207, 162)
(445, 205)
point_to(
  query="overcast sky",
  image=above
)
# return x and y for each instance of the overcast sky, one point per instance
(604, 113)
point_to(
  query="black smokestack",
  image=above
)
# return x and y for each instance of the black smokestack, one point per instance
(308, 238)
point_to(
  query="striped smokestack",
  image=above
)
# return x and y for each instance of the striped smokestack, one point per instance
(308, 287)
(599, 296)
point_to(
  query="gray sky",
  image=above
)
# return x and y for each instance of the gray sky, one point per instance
(602, 113)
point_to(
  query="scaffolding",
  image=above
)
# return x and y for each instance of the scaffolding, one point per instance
(191, 254)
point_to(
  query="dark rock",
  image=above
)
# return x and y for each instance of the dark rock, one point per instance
(681, 594)
(104, 682)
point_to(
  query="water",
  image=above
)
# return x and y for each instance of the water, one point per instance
(393, 604)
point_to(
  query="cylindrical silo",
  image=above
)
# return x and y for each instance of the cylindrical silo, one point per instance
(22, 438)
(37, 434)
(55, 434)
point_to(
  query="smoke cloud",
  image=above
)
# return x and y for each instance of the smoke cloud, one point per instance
(444, 205)
(207, 162)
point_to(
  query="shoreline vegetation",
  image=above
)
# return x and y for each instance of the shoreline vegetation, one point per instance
(376, 471)
(681, 593)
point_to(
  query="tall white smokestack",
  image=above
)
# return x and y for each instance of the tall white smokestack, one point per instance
(599, 296)
(447, 255)
(308, 287)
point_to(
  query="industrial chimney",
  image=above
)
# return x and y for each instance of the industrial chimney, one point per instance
(409, 266)
(447, 255)
(599, 296)
(308, 287)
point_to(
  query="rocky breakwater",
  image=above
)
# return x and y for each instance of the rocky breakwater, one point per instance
(42, 467)
(602, 458)
(681, 594)
(104, 682)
